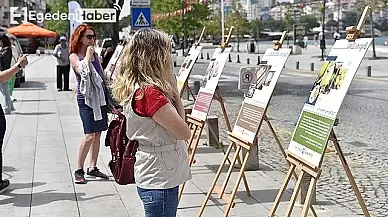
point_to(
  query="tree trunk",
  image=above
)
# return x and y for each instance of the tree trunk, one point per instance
(373, 36)
(115, 26)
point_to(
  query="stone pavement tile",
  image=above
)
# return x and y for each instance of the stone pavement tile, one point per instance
(53, 204)
(97, 190)
(15, 212)
(63, 176)
(102, 208)
(130, 199)
(60, 214)
(53, 198)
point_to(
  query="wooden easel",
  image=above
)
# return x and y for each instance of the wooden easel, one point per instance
(197, 127)
(315, 171)
(241, 144)
(186, 85)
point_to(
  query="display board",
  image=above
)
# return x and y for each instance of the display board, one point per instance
(257, 98)
(327, 93)
(210, 82)
(113, 62)
(187, 66)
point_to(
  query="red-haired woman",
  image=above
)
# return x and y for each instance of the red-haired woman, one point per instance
(91, 99)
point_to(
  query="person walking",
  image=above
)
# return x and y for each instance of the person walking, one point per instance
(5, 75)
(147, 89)
(61, 52)
(91, 99)
(5, 63)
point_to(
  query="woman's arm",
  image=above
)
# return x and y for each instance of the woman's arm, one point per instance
(168, 117)
(74, 63)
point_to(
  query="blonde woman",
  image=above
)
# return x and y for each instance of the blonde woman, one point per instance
(147, 90)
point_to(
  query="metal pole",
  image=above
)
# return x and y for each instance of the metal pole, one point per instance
(323, 44)
(222, 22)
(183, 27)
(339, 17)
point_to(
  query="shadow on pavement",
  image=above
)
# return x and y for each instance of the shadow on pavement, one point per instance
(35, 113)
(41, 198)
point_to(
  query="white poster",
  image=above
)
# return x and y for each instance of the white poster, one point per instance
(259, 93)
(113, 62)
(187, 66)
(210, 82)
(324, 101)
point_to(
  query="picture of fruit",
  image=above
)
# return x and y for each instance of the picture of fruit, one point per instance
(340, 78)
(327, 78)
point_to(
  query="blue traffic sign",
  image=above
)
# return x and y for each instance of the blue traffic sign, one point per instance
(141, 17)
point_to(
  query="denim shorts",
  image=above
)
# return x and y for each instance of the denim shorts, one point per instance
(159, 202)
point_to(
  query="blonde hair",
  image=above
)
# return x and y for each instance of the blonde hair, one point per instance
(146, 61)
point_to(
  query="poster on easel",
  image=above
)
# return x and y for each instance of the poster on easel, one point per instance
(113, 62)
(187, 66)
(210, 82)
(320, 110)
(259, 93)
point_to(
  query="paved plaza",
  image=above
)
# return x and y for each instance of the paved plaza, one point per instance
(42, 139)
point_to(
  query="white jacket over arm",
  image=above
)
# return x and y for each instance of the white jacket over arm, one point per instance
(92, 88)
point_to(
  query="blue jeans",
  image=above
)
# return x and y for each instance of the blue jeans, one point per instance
(159, 202)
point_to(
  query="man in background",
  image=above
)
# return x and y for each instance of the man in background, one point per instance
(61, 52)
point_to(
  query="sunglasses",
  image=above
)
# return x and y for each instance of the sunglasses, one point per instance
(90, 36)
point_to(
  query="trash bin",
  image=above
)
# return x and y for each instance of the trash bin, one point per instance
(251, 46)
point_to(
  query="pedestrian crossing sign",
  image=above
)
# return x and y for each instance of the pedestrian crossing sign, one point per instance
(141, 17)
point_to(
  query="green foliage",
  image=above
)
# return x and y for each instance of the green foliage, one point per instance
(288, 21)
(237, 18)
(310, 20)
(255, 26)
(62, 27)
(191, 21)
(350, 19)
(275, 25)
(213, 24)
(125, 22)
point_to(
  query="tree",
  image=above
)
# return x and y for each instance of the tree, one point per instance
(213, 24)
(125, 22)
(61, 27)
(173, 24)
(255, 26)
(350, 18)
(310, 20)
(237, 18)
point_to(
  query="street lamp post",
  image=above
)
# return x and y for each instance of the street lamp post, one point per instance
(323, 44)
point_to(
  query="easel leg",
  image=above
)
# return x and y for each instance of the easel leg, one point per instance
(307, 201)
(281, 190)
(349, 174)
(275, 136)
(215, 181)
(230, 170)
(194, 139)
(221, 101)
(285, 157)
(294, 194)
(238, 181)
(191, 92)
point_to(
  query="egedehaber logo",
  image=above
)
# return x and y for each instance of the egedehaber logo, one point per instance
(82, 15)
